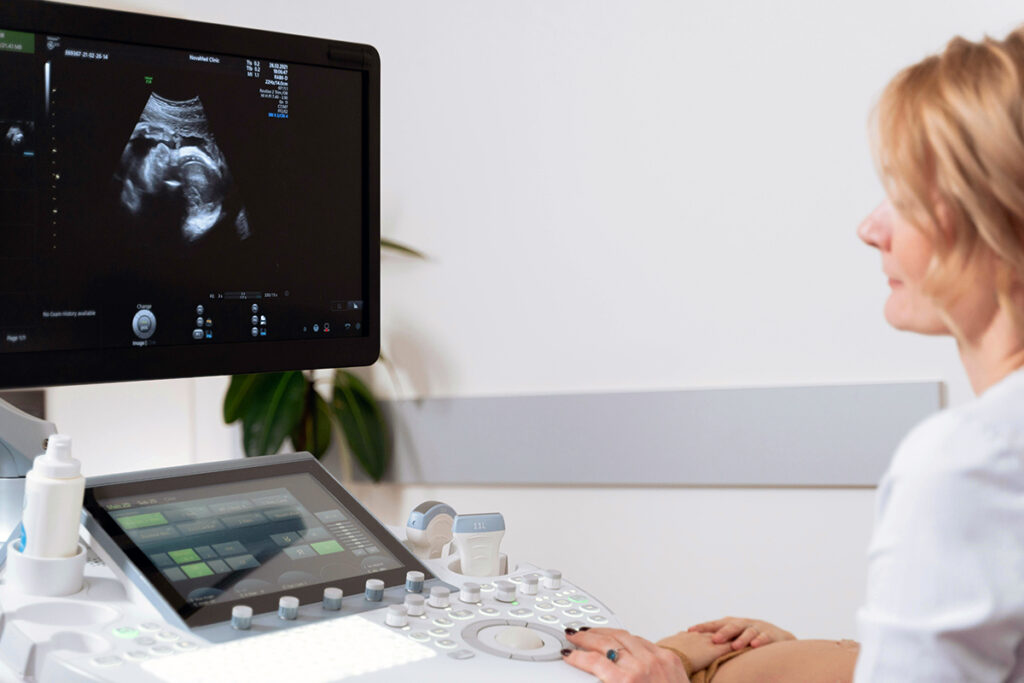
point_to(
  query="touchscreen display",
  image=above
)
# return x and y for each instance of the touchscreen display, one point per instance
(233, 541)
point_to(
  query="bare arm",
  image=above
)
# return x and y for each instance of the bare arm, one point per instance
(807, 661)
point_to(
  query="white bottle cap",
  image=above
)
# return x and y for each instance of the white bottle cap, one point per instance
(56, 462)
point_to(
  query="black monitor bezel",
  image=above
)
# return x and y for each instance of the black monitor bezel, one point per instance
(45, 368)
(219, 612)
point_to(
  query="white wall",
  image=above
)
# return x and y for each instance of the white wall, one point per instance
(617, 196)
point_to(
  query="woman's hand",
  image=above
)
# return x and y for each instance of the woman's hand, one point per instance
(742, 632)
(638, 659)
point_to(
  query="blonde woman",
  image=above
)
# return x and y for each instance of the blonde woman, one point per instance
(945, 594)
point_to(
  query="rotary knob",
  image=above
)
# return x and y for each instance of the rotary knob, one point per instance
(504, 591)
(529, 585)
(552, 579)
(332, 598)
(241, 617)
(396, 616)
(470, 592)
(414, 582)
(439, 597)
(288, 607)
(374, 590)
(414, 604)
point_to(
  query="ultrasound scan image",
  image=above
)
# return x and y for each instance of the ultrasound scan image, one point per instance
(172, 164)
(18, 136)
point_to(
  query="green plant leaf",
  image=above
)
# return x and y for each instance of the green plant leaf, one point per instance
(237, 398)
(313, 432)
(401, 248)
(362, 423)
(272, 411)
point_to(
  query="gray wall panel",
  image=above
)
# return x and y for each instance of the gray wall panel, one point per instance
(785, 436)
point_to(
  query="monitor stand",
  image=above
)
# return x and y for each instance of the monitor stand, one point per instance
(22, 437)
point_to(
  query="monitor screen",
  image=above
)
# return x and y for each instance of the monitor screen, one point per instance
(210, 541)
(180, 199)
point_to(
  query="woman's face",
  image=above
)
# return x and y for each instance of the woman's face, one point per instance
(906, 253)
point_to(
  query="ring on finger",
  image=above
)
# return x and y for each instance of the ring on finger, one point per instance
(613, 654)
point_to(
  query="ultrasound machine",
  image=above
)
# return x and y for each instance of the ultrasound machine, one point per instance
(181, 199)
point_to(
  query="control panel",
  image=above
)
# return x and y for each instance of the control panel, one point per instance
(424, 620)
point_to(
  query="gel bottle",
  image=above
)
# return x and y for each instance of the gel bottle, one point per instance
(54, 489)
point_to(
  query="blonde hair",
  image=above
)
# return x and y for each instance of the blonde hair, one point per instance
(948, 138)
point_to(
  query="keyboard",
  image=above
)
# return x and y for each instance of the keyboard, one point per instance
(331, 650)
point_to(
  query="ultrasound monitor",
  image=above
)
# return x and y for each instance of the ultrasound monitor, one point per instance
(181, 199)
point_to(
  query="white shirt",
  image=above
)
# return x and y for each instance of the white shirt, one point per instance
(945, 592)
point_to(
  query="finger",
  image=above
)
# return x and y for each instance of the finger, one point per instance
(761, 639)
(727, 632)
(642, 651)
(708, 626)
(599, 640)
(744, 638)
(597, 664)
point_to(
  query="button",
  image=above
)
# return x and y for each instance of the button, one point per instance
(167, 636)
(462, 614)
(144, 324)
(374, 590)
(551, 579)
(241, 617)
(521, 612)
(575, 624)
(419, 636)
(590, 608)
(506, 591)
(414, 582)
(414, 604)
(397, 616)
(199, 321)
(332, 598)
(443, 621)
(529, 585)
(489, 611)
(562, 602)
(545, 606)
(439, 597)
(150, 626)
(200, 310)
(162, 650)
(185, 645)
(288, 607)
(197, 333)
(106, 661)
(462, 654)
(469, 592)
(579, 599)
(573, 613)
(438, 631)
(598, 619)
(126, 632)
(255, 308)
(136, 655)
(255, 331)
(548, 618)
(255, 320)
(447, 643)
(145, 640)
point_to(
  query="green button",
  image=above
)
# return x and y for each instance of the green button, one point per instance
(577, 598)
(326, 547)
(140, 521)
(126, 632)
(194, 571)
(184, 555)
